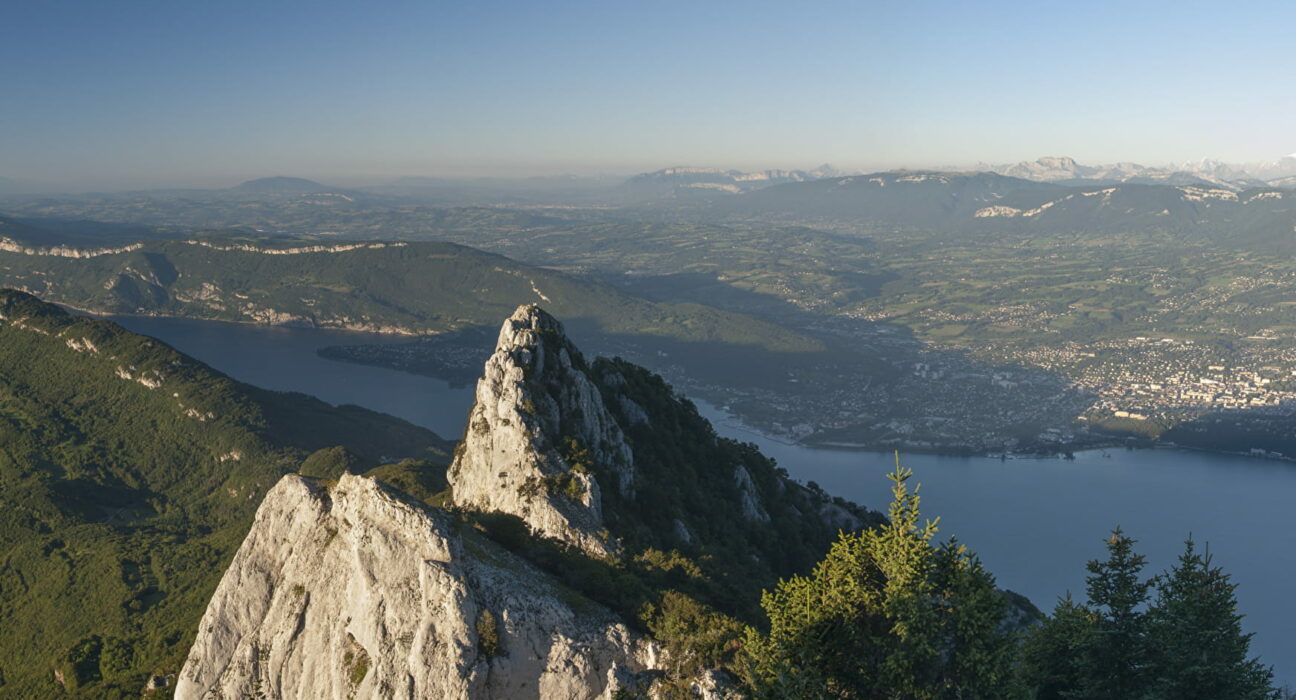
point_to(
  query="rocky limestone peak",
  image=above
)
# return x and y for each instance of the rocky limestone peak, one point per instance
(537, 435)
(353, 591)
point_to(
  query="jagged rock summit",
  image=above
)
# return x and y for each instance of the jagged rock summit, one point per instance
(601, 454)
(353, 591)
(538, 426)
(356, 590)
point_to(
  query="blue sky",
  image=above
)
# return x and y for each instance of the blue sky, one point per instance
(186, 92)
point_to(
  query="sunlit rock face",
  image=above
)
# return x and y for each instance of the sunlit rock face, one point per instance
(353, 591)
(538, 419)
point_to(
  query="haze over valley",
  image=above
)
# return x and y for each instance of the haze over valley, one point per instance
(968, 313)
(675, 351)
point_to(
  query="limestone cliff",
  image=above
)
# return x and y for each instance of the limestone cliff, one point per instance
(537, 426)
(604, 455)
(353, 591)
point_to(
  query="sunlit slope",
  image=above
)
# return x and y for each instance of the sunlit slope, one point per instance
(128, 473)
(388, 287)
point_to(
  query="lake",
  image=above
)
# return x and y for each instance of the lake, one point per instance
(284, 359)
(1034, 522)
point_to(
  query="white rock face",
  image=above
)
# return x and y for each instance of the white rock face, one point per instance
(535, 394)
(300, 250)
(751, 505)
(9, 245)
(352, 592)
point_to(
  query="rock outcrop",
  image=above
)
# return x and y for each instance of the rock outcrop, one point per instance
(536, 429)
(356, 591)
(353, 591)
(569, 447)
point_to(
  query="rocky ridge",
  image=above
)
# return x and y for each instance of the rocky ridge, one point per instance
(536, 408)
(556, 441)
(354, 591)
(9, 245)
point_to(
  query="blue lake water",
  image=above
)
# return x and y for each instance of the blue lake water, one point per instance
(1034, 522)
(284, 359)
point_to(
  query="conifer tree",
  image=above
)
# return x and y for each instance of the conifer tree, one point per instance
(885, 615)
(1189, 644)
(1052, 666)
(1115, 658)
(902, 551)
(978, 657)
(1199, 649)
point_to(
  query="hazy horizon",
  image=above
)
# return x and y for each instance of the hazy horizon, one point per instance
(115, 96)
(127, 182)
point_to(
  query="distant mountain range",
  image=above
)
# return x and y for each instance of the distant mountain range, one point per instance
(281, 185)
(975, 201)
(690, 182)
(684, 182)
(1203, 172)
(916, 198)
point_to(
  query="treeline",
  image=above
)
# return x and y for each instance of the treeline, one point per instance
(890, 614)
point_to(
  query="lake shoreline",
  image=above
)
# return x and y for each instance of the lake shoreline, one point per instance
(1034, 521)
(736, 423)
(380, 337)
